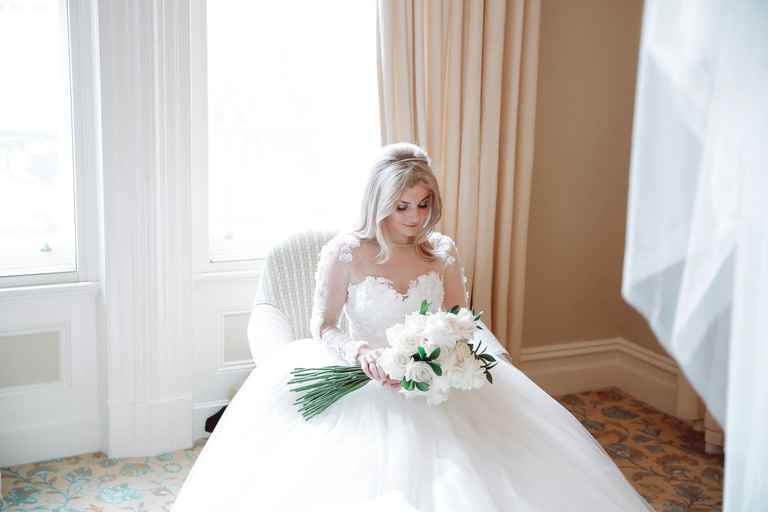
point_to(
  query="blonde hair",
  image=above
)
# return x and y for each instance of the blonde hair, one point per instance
(399, 166)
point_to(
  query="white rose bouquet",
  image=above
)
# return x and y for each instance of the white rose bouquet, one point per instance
(429, 353)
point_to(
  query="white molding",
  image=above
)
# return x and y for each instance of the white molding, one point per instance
(234, 275)
(49, 290)
(146, 199)
(201, 411)
(588, 365)
(160, 425)
(49, 440)
(64, 342)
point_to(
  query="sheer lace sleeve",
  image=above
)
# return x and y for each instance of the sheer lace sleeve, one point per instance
(455, 282)
(331, 282)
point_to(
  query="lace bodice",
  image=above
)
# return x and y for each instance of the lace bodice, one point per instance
(373, 303)
(378, 294)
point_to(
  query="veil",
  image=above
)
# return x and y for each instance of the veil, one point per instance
(696, 260)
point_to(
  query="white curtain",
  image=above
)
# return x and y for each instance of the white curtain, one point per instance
(696, 262)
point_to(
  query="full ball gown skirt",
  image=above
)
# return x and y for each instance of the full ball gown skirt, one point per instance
(508, 446)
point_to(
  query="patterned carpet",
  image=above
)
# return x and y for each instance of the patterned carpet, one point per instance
(663, 458)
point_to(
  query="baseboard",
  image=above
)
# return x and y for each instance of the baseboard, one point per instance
(47, 441)
(150, 428)
(587, 365)
(200, 412)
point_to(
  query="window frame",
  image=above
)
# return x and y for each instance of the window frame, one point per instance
(82, 36)
(201, 262)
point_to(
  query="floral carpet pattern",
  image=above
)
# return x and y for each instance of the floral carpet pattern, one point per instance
(661, 456)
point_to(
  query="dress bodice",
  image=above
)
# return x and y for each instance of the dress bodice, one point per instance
(373, 304)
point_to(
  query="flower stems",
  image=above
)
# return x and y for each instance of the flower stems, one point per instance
(324, 386)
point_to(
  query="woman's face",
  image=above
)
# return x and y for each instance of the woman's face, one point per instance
(411, 211)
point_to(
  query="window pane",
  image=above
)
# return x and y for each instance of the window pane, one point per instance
(293, 118)
(37, 208)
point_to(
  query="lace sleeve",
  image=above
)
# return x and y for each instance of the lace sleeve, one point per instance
(455, 282)
(331, 282)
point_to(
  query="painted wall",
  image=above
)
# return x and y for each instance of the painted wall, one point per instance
(586, 84)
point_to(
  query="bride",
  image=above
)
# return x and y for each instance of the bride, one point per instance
(505, 447)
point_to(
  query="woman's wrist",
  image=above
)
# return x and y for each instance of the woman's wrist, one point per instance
(362, 349)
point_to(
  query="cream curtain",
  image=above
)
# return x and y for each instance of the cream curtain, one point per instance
(458, 77)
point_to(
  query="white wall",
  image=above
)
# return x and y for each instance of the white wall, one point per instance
(148, 344)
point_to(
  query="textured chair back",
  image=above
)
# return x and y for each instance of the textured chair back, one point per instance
(288, 279)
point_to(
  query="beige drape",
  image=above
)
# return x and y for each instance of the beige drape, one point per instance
(458, 77)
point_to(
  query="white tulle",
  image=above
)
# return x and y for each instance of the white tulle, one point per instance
(696, 262)
(506, 447)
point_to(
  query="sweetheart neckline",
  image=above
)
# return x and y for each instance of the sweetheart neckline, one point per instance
(391, 285)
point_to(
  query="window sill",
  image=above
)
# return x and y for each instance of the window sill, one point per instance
(49, 290)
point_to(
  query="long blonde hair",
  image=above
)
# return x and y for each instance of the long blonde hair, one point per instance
(399, 166)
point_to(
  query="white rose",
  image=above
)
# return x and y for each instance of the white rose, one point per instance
(415, 321)
(469, 375)
(394, 362)
(419, 371)
(462, 352)
(439, 331)
(403, 339)
(465, 324)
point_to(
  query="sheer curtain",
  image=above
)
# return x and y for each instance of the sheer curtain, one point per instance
(459, 79)
(696, 263)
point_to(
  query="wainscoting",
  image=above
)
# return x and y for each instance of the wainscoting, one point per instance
(586, 365)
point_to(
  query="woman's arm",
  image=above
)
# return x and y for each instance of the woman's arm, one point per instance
(456, 293)
(331, 282)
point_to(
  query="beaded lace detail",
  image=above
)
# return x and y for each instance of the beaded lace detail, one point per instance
(372, 304)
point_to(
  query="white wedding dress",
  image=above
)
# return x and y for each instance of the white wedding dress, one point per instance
(508, 446)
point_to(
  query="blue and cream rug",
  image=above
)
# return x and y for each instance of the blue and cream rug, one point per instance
(661, 456)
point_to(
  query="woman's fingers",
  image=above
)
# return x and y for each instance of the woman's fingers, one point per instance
(366, 369)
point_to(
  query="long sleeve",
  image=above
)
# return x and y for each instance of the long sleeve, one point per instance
(456, 293)
(331, 282)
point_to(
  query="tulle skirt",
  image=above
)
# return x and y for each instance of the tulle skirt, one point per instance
(508, 446)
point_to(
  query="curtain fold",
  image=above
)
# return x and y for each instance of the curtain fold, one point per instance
(696, 261)
(458, 77)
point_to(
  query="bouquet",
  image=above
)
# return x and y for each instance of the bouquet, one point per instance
(430, 353)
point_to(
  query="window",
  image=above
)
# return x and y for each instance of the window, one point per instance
(291, 104)
(37, 184)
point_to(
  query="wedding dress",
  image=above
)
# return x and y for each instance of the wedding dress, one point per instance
(508, 446)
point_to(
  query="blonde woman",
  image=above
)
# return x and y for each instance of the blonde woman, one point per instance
(505, 447)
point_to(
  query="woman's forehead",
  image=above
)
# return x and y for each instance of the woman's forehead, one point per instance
(415, 194)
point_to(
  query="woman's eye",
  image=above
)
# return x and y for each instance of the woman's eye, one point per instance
(403, 208)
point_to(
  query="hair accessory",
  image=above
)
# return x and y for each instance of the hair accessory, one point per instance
(412, 159)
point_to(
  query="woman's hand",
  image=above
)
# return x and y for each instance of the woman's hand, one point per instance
(367, 358)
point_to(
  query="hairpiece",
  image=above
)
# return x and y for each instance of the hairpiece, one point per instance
(412, 159)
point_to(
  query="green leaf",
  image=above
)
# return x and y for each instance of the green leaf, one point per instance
(488, 376)
(477, 317)
(424, 307)
(422, 353)
(487, 357)
(455, 309)
(435, 354)
(422, 386)
(409, 385)
(436, 368)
